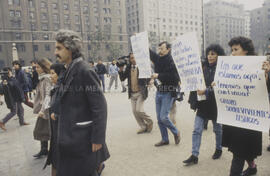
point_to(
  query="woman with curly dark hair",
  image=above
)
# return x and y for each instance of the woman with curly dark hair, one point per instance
(206, 109)
(245, 144)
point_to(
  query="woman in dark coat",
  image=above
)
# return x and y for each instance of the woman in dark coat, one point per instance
(206, 109)
(56, 71)
(245, 144)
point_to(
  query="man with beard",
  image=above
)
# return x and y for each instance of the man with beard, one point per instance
(83, 112)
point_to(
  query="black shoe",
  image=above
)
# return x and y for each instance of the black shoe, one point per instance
(177, 138)
(250, 171)
(161, 143)
(191, 160)
(41, 153)
(268, 148)
(217, 154)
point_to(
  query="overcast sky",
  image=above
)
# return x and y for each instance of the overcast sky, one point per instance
(248, 4)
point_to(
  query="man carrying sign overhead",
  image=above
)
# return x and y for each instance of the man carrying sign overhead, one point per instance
(167, 80)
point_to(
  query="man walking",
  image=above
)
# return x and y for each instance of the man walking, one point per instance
(22, 79)
(83, 112)
(167, 80)
(138, 93)
(113, 73)
(101, 71)
(14, 97)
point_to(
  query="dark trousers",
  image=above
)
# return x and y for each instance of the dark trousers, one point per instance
(16, 109)
(101, 78)
(238, 165)
(27, 102)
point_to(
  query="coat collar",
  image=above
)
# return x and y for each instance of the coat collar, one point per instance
(69, 76)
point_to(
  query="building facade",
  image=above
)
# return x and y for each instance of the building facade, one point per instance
(247, 24)
(260, 27)
(31, 25)
(223, 21)
(164, 20)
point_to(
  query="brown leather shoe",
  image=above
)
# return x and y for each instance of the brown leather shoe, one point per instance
(24, 123)
(150, 126)
(177, 138)
(161, 143)
(141, 131)
(2, 126)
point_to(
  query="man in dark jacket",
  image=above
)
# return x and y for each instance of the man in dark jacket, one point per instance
(167, 81)
(83, 112)
(13, 97)
(35, 79)
(137, 92)
(22, 79)
(101, 71)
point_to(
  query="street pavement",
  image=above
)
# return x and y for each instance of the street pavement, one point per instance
(131, 154)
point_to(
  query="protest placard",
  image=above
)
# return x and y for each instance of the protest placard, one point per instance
(186, 56)
(241, 92)
(140, 48)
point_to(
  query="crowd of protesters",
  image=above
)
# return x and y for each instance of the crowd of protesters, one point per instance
(71, 107)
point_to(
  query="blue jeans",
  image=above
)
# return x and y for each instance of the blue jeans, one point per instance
(197, 135)
(101, 78)
(164, 102)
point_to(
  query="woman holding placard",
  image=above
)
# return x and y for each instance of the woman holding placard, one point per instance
(206, 107)
(245, 144)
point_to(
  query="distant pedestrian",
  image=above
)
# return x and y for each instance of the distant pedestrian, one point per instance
(41, 106)
(113, 73)
(101, 71)
(22, 79)
(14, 96)
(92, 66)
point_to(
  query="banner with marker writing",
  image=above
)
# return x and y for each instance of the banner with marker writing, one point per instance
(241, 92)
(186, 56)
(140, 48)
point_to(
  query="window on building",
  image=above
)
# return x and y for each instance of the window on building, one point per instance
(20, 47)
(34, 37)
(44, 16)
(31, 15)
(47, 47)
(85, 9)
(18, 13)
(77, 19)
(118, 3)
(10, 2)
(43, 4)
(11, 13)
(45, 27)
(0, 48)
(78, 28)
(86, 20)
(55, 18)
(56, 27)
(120, 38)
(46, 37)
(120, 29)
(35, 47)
(54, 6)
(18, 36)
(65, 6)
(89, 47)
(15, 23)
(17, 2)
(31, 3)
(76, 7)
(33, 26)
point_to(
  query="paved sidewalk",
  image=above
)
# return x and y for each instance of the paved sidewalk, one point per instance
(131, 154)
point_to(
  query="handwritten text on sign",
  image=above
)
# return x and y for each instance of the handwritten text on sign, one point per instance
(140, 48)
(186, 56)
(241, 92)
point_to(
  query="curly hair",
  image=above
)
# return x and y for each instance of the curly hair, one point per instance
(216, 48)
(245, 43)
(71, 41)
